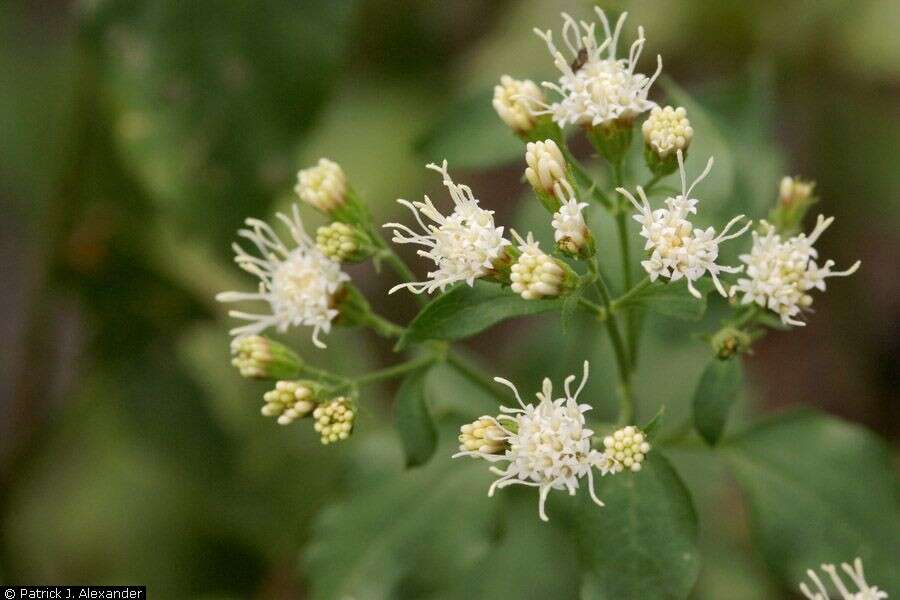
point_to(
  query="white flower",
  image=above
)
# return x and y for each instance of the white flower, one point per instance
(546, 446)
(569, 229)
(463, 245)
(546, 166)
(863, 590)
(299, 284)
(780, 273)
(289, 401)
(595, 86)
(324, 186)
(512, 98)
(667, 130)
(626, 449)
(535, 275)
(334, 419)
(677, 248)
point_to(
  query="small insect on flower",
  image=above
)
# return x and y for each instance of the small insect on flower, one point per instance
(677, 248)
(464, 245)
(545, 446)
(324, 186)
(299, 284)
(781, 273)
(855, 572)
(626, 449)
(596, 87)
(512, 98)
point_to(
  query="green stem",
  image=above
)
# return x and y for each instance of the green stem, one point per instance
(747, 318)
(583, 178)
(394, 371)
(463, 367)
(599, 311)
(651, 182)
(383, 326)
(626, 401)
(394, 261)
(625, 255)
(322, 374)
(623, 300)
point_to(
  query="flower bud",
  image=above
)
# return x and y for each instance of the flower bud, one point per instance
(548, 173)
(729, 342)
(626, 448)
(795, 196)
(344, 243)
(536, 275)
(666, 131)
(324, 186)
(612, 138)
(259, 357)
(334, 419)
(570, 231)
(290, 400)
(483, 435)
(512, 101)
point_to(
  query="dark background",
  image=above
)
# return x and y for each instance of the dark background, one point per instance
(135, 137)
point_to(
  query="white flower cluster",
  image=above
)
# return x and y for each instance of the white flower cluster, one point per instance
(855, 572)
(324, 186)
(535, 275)
(299, 284)
(677, 248)
(569, 229)
(595, 86)
(781, 273)
(289, 401)
(626, 448)
(667, 130)
(512, 99)
(463, 245)
(545, 446)
(334, 419)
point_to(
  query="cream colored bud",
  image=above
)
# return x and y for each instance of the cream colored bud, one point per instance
(483, 435)
(514, 100)
(628, 448)
(546, 166)
(794, 190)
(334, 419)
(290, 400)
(324, 186)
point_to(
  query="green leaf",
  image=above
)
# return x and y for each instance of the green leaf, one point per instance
(471, 135)
(417, 430)
(465, 311)
(717, 390)
(650, 428)
(643, 543)
(819, 491)
(672, 299)
(417, 528)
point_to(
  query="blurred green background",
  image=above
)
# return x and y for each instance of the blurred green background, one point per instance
(136, 135)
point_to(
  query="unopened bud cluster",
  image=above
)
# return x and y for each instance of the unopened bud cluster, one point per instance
(628, 447)
(483, 435)
(334, 419)
(548, 173)
(666, 132)
(795, 196)
(289, 401)
(324, 186)
(729, 342)
(536, 275)
(258, 357)
(342, 242)
(511, 101)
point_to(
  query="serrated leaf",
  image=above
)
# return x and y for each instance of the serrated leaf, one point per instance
(465, 311)
(819, 490)
(417, 431)
(718, 388)
(471, 135)
(643, 543)
(671, 299)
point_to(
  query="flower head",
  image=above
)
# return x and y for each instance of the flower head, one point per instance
(258, 357)
(667, 130)
(324, 186)
(794, 189)
(781, 273)
(512, 98)
(569, 229)
(546, 165)
(536, 275)
(334, 419)
(677, 249)
(463, 244)
(626, 449)
(484, 435)
(289, 401)
(299, 284)
(545, 446)
(595, 86)
(855, 572)
(343, 243)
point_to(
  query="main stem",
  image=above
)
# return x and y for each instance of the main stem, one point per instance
(395, 371)
(626, 402)
(394, 261)
(625, 253)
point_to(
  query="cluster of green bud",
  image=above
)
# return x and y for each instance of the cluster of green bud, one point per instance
(627, 448)
(258, 357)
(795, 196)
(729, 342)
(344, 243)
(612, 139)
(290, 400)
(483, 435)
(334, 419)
